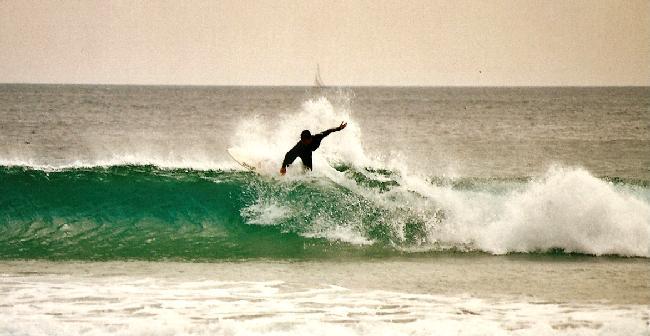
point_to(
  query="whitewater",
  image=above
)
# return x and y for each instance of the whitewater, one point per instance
(445, 211)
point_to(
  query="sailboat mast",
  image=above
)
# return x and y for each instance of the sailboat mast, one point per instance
(318, 82)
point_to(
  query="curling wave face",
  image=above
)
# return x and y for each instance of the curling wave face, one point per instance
(145, 212)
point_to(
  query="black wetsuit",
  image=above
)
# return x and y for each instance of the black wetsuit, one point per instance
(304, 151)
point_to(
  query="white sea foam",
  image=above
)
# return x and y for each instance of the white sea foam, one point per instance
(574, 211)
(153, 304)
(267, 212)
(197, 161)
(347, 232)
(567, 209)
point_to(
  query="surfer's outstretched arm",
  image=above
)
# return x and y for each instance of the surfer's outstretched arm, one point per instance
(335, 129)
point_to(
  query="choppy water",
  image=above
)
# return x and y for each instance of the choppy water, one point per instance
(488, 132)
(434, 175)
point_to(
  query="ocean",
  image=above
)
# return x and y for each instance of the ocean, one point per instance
(437, 211)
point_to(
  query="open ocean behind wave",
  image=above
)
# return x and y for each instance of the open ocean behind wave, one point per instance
(438, 210)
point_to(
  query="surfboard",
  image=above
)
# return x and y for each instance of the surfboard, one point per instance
(244, 159)
(261, 163)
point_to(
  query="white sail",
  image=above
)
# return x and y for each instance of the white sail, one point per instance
(318, 82)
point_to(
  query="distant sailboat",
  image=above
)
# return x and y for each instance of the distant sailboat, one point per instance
(318, 82)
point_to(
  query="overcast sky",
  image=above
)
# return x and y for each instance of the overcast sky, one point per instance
(508, 42)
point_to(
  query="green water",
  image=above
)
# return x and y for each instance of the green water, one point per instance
(148, 213)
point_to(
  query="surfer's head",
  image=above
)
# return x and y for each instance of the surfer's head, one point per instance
(305, 137)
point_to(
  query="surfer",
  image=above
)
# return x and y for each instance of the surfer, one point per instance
(307, 144)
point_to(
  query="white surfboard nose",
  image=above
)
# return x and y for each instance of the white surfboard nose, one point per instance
(252, 161)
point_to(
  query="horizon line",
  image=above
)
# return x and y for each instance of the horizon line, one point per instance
(331, 86)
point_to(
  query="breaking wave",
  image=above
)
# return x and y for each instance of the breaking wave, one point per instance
(132, 206)
(145, 212)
